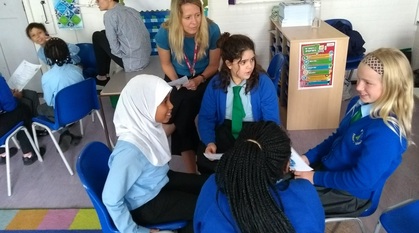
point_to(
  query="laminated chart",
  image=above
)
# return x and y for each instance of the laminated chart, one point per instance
(68, 14)
(316, 65)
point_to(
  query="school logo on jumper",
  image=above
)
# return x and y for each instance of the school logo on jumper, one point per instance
(357, 138)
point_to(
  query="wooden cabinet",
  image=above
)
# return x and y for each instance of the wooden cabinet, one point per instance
(312, 77)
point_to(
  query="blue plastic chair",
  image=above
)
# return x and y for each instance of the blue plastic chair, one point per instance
(375, 199)
(4, 140)
(72, 104)
(275, 68)
(88, 60)
(352, 62)
(400, 218)
(93, 169)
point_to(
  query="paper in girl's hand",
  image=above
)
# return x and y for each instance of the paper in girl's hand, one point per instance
(213, 157)
(297, 163)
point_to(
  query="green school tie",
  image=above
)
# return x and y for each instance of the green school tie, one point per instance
(357, 115)
(238, 112)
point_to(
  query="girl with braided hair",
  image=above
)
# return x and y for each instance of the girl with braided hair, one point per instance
(251, 190)
(62, 74)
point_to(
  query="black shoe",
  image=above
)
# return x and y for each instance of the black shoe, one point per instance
(12, 152)
(65, 141)
(28, 161)
(102, 82)
(41, 133)
(75, 140)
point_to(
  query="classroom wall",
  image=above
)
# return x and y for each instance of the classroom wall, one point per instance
(382, 23)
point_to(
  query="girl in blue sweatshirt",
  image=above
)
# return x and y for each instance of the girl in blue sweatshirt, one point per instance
(366, 149)
(251, 190)
(216, 124)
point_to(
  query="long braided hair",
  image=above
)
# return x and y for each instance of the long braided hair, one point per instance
(247, 175)
(56, 51)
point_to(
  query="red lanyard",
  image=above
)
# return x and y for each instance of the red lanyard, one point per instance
(192, 67)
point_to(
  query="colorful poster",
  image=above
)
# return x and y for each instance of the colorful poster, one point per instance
(68, 14)
(316, 64)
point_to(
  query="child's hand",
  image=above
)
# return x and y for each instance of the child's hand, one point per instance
(17, 93)
(305, 159)
(211, 148)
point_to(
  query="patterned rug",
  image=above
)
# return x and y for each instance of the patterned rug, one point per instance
(49, 219)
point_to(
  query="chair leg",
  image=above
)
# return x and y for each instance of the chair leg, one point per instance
(81, 127)
(15, 142)
(377, 228)
(57, 146)
(9, 184)
(361, 225)
(35, 136)
(36, 149)
(103, 126)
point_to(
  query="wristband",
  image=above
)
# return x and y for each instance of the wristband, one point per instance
(203, 78)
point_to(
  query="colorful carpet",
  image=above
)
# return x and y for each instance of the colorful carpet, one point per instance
(49, 219)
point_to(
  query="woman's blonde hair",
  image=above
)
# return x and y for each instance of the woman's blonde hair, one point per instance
(396, 103)
(176, 32)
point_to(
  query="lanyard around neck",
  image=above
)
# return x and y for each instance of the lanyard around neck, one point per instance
(195, 55)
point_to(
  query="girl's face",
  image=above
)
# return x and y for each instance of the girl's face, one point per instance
(191, 18)
(164, 110)
(38, 36)
(105, 4)
(369, 84)
(241, 69)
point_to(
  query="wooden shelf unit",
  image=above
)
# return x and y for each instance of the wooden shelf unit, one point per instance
(304, 108)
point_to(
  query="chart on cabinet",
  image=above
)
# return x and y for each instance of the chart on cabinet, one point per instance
(316, 64)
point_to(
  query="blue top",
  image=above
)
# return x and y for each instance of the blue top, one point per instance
(264, 104)
(300, 201)
(7, 100)
(57, 78)
(132, 181)
(358, 157)
(162, 41)
(72, 48)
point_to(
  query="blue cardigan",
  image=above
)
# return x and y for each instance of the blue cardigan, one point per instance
(300, 201)
(358, 157)
(213, 108)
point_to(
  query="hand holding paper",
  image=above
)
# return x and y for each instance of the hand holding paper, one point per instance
(178, 82)
(22, 75)
(297, 163)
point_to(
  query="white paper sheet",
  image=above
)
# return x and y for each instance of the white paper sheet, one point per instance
(22, 75)
(297, 163)
(179, 81)
(213, 157)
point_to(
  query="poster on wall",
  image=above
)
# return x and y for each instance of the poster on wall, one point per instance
(68, 14)
(316, 65)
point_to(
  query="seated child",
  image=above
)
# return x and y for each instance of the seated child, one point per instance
(39, 35)
(366, 149)
(140, 189)
(220, 118)
(62, 74)
(251, 190)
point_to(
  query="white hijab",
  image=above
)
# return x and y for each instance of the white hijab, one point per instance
(135, 113)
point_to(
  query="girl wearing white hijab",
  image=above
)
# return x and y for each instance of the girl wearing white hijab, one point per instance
(140, 189)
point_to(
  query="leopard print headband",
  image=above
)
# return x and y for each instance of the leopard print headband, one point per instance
(374, 63)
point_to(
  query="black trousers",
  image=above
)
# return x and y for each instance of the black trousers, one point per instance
(9, 119)
(338, 203)
(30, 98)
(103, 53)
(224, 141)
(175, 202)
(186, 105)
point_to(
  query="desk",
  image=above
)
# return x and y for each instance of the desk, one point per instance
(118, 82)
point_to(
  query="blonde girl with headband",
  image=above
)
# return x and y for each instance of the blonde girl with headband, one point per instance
(251, 190)
(140, 189)
(368, 146)
(186, 44)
